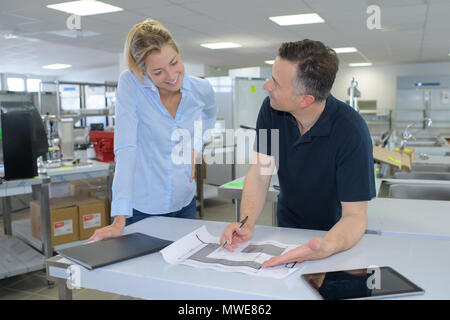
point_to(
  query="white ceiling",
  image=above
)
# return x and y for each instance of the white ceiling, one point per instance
(413, 31)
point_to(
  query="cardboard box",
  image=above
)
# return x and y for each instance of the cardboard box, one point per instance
(101, 195)
(63, 220)
(59, 190)
(107, 208)
(396, 158)
(82, 188)
(91, 216)
(78, 188)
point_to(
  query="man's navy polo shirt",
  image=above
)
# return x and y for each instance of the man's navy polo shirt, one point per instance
(330, 163)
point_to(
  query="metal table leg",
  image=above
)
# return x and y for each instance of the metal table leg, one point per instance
(64, 293)
(6, 203)
(274, 214)
(42, 192)
(200, 196)
(237, 209)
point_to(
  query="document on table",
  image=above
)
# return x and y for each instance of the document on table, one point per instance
(202, 250)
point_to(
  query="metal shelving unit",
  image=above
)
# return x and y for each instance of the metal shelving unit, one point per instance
(82, 111)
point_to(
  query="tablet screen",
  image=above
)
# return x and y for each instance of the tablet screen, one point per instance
(361, 283)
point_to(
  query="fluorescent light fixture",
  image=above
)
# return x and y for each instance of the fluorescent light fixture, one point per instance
(295, 19)
(345, 50)
(57, 66)
(360, 64)
(8, 36)
(269, 61)
(74, 33)
(221, 45)
(84, 7)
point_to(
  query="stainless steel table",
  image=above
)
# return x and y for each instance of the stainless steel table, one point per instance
(39, 188)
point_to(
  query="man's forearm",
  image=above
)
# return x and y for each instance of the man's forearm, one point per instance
(345, 234)
(254, 196)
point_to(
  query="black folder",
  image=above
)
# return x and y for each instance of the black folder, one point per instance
(101, 253)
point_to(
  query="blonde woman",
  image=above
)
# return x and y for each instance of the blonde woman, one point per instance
(155, 98)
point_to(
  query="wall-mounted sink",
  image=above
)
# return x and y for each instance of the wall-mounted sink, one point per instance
(424, 144)
(431, 150)
(430, 138)
(425, 192)
(430, 167)
(415, 191)
(422, 175)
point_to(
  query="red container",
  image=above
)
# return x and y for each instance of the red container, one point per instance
(103, 142)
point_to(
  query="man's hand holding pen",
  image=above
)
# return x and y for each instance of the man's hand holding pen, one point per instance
(235, 233)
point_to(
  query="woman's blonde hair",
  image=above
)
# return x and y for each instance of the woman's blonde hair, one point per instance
(143, 39)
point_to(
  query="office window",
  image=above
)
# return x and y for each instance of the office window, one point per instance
(15, 84)
(33, 85)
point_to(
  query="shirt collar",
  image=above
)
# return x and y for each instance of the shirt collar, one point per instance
(149, 83)
(322, 127)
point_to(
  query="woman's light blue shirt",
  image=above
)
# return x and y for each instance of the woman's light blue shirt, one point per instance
(147, 139)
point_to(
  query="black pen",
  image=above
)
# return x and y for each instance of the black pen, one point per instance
(234, 232)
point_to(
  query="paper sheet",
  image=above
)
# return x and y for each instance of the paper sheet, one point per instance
(202, 250)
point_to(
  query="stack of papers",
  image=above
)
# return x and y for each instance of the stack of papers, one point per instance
(202, 250)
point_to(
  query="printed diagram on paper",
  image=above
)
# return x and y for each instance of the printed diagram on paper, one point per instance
(202, 250)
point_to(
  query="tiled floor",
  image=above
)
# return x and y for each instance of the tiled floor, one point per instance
(34, 286)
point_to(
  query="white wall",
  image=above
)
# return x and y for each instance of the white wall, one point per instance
(112, 73)
(380, 82)
(253, 72)
(375, 83)
(197, 70)
(98, 75)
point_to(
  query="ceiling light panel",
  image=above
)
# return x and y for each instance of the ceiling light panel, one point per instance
(345, 50)
(296, 19)
(221, 45)
(360, 64)
(84, 7)
(57, 66)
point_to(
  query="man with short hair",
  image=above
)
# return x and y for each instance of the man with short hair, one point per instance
(325, 160)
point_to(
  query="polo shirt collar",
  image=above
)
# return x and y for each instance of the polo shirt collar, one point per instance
(322, 127)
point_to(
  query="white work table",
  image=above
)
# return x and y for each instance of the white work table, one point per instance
(409, 218)
(424, 261)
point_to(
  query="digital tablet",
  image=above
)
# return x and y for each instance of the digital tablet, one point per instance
(367, 283)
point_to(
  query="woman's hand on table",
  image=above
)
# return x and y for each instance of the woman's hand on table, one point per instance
(111, 231)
